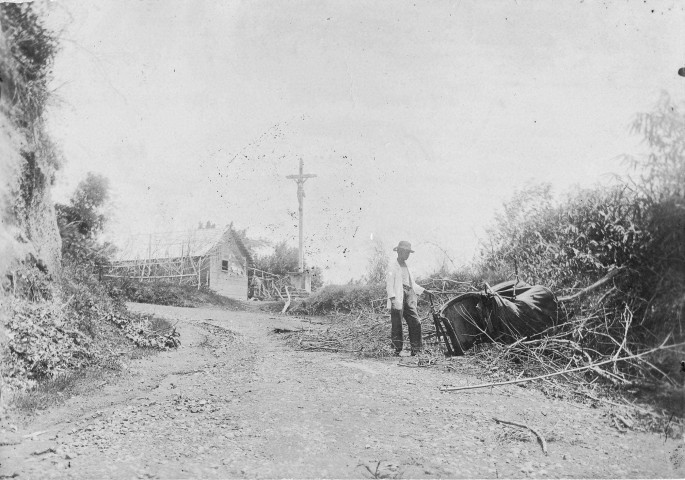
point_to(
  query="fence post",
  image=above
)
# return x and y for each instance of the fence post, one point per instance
(199, 272)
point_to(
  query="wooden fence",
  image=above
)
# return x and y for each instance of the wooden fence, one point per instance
(187, 270)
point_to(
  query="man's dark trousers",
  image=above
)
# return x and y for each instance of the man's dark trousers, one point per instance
(411, 316)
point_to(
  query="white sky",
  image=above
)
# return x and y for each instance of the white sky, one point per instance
(419, 118)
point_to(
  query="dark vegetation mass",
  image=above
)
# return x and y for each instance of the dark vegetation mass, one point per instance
(635, 226)
(283, 260)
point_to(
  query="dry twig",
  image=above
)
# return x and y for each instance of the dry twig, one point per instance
(592, 287)
(543, 443)
(578, 369)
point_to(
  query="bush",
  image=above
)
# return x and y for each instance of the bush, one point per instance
(42, 342)
(159, 293)
(26, 67)
(635, 224)
(589, 232)
(344, 299)
(72, 326)
(284, 260)
(82, 220)
(93, 310)
(167, 293)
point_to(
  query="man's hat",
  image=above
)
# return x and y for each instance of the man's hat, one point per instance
(403, 245)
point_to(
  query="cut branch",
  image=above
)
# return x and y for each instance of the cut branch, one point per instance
(562, 372)
(287, 303)
(523, 425)
(592, 287)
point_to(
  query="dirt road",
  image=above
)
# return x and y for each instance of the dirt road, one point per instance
(234, 401)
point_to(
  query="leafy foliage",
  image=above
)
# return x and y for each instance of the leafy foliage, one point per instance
(83, 219)
(91, 304)
(636, 224)
(71, 327)
(589, 232)
(661, 173)
(284, 260)
(137, 329)
(27, 67)
(85, 207)
(42, 343)
(32, 283)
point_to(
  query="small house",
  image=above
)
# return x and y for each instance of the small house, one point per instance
(211, 257)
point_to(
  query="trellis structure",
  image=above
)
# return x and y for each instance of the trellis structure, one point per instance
(187, 270)
(213, 257)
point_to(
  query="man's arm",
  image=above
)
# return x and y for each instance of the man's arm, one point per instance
(390, 289)
(417, 288)
(390, 283)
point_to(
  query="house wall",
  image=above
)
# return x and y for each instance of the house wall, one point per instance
(231, 282)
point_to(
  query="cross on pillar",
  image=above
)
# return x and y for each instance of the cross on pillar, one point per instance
(300, 179)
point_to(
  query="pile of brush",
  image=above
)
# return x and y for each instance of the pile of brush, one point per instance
(595, 339)
(596, 352)
(592, 345)
(366, 333)
(366, 330)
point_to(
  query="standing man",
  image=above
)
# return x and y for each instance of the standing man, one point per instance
(402, 295)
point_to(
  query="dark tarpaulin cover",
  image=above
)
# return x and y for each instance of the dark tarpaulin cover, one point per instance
(518, 309)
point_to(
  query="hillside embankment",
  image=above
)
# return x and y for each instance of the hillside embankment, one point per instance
(28, 159)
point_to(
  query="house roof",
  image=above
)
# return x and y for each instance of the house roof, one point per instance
(243, 249)
(193, 243)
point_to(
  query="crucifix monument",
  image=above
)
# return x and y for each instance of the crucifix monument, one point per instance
(300, 179)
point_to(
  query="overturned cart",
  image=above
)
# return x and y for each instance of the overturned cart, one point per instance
(504, 312)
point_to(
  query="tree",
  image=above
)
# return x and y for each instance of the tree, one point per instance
(283, 260)
(661, 171)
(519, 233)
(85, 208)
(82, 220)
(660, 187)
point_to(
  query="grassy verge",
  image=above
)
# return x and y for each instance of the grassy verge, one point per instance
(160, 325)
(167, 293)
(52, 391)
